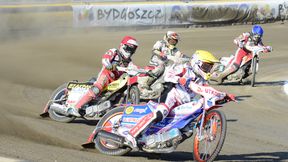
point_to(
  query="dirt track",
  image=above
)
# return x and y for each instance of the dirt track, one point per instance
(31, 67)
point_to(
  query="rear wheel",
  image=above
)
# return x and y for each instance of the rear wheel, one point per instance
(109, 123)
(209, 144)
(58, 94)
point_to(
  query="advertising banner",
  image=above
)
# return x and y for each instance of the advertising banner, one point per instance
(236, 12)
(119, 15)
(179, 13)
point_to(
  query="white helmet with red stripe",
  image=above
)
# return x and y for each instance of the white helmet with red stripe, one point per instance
(128, 47)
(171, 38)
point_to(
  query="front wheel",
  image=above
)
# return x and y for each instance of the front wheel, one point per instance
(110, 123)
(254, 70)
(209, 144)
(134, 95)
(58, 94)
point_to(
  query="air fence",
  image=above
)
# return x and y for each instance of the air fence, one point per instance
(179, 13)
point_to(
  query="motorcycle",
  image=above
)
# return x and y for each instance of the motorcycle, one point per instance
(201, 118)
(68, 94)
(249, 67)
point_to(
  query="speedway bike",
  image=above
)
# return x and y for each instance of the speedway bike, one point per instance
(200, 118)
(68, 94)
(249, 67)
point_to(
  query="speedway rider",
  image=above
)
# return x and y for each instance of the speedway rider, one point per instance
(246, 43)
(110, 60)
(160, 51)
(196, 71)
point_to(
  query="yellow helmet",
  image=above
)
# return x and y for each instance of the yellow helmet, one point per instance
(202, 62)
(206, 56)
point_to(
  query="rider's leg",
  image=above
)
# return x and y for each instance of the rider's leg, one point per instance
(85, 99)
(229, 70)
(147, 81)
(101, 82)
(234, 66)
(157, 115)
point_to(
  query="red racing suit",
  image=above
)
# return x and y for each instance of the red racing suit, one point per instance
(245, 47)
(107, 74)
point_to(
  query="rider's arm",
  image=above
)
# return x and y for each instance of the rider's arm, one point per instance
(157, 49)
(174, 73)
(250, 46)
(240, 41)
(205, 90)
(107, 59)
(266, 48)
(133, 66)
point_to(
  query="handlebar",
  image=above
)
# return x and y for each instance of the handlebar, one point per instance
(256, 50)
(178, 59)
(227, 98)
(131, 71)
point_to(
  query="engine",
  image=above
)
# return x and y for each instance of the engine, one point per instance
(162, 140)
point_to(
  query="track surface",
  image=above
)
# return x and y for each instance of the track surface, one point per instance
(32, 66)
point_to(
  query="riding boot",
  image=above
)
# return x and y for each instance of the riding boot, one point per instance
(219, 79)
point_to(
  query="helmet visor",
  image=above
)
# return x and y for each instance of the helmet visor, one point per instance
(256, 37)
(172, 41)
(206, 67)
(129, 48)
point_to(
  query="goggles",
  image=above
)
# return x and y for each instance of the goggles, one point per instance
(256, 37)
(206, 67)
(172, 41)
(129, 48)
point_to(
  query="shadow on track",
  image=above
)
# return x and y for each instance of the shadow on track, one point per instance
(84, 121)
(272, 83)
(269, 83)
(263, 156)
(174, 156)
(76, 121)
(187, 156)
(241, 98)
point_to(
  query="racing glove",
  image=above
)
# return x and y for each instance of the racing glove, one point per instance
(268, 49)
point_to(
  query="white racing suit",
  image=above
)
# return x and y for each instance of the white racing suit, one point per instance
(179, 95)
(160, 51)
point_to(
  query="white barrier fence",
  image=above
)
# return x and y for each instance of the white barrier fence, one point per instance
(179, 13)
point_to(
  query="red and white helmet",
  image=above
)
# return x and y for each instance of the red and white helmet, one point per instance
(128, 47)
(171, 37)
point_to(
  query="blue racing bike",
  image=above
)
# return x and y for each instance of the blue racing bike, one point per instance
(201, 118)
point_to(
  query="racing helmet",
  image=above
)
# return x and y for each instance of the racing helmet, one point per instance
(128, 47)
(171, 38)
(202, 63)
(257, 33)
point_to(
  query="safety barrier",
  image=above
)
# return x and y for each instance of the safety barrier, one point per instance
(179, 13)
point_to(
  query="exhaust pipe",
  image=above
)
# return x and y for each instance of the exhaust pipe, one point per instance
(59, 109)
(112, 137)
